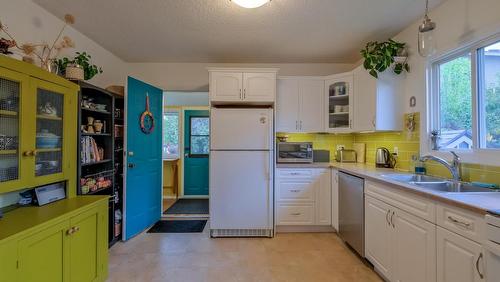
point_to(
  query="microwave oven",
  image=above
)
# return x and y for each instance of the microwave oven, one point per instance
(295, 152)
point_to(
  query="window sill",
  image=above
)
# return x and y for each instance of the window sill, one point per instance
(489, 157)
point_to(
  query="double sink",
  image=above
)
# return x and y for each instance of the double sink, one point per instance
(436, 184)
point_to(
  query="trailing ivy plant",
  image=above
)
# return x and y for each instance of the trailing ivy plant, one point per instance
(82, 59)
(380, 55)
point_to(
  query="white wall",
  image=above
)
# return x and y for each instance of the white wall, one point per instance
(28, 22)
(194, 76)
(458, 22)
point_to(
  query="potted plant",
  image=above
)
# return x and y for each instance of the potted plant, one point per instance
(79, 67)
(381, 55)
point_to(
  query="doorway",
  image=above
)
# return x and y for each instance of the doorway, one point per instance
(196, 150)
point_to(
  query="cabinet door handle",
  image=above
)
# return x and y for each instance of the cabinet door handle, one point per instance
(373, 122)
(76, 228)
(300, 125)
(480, 257)
(296, 125)
(294, 173)
(296, 213)
(294, 191)
(392, 222)
(28, 153)
(241, 96)
(244, 93)
(458, 222)
(34, 153)
(387, 217)
(70, 231)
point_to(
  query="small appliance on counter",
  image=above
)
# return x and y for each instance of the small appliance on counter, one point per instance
(295, 152)
(321, 156)
(383, 158)
(345, 156)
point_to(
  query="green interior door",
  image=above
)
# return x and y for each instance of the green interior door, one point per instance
(196, 149)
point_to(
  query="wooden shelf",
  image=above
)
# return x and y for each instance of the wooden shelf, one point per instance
(48, 117)
(96, 111)
(96, 134)
(339, 114)
(95, 163)
(8, 113)
(339, 97)
(8, 152)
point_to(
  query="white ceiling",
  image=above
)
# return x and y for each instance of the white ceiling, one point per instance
(283, 31)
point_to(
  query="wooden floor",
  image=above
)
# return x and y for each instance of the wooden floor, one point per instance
(195, 257)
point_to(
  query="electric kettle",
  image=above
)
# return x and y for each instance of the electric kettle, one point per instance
(383, 158)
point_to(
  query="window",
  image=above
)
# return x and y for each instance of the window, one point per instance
(170, 135)
(465, 98)
(199, 136)
(489, 95)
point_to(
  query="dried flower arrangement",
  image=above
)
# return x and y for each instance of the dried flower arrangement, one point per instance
(44, 52)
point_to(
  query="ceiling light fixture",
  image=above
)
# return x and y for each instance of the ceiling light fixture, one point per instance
(426, 40)
(250, 4)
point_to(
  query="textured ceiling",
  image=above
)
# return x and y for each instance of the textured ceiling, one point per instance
(283, 31)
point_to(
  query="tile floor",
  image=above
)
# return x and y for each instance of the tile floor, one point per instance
(195, 257)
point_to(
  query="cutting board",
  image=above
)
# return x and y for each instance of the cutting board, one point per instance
(360, 149)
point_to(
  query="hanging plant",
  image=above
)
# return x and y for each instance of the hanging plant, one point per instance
(381, 55)
(82, 60)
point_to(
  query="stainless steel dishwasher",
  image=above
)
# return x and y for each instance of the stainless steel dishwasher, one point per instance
(352, 211)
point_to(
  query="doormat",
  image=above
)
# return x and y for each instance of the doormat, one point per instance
(178, 226)
(189, 206)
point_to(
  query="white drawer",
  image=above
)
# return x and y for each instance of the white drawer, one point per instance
(296, 190)
(287, 173)
(295, 214)
(407, 201)
(468, 224)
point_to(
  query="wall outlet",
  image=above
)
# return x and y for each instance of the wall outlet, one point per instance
(340, 147)
(396, 151)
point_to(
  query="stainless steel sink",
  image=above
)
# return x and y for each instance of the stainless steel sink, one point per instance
(436, 183)
(407, 178)
(452, 187)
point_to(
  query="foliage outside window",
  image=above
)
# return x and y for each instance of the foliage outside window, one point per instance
(467, 114)
(170, 135)
(200, 136)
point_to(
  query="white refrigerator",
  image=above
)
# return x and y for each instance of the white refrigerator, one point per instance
(241, 172)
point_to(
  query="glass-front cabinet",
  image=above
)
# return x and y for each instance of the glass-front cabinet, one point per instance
(339, 103)
(36, 131)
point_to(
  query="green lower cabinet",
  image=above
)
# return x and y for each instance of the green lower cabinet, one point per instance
(84, 245)
(72, 249)
(8, 262)
(44, 255)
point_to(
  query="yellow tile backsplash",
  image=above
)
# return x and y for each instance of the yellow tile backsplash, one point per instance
(408, 144)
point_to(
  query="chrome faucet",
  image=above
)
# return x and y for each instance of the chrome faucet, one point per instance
(454, 167)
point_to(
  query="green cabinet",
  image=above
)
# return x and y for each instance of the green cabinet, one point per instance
(64, 241)
(43, 256)
(38, 122)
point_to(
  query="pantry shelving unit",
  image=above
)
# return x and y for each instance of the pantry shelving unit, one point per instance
(118, 135)
(96, 151)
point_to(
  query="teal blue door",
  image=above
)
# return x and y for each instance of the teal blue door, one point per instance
(142, 195)
(196, 149)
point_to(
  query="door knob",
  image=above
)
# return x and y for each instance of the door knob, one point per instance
(131, 165)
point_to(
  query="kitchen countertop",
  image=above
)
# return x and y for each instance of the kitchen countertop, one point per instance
(480, 202)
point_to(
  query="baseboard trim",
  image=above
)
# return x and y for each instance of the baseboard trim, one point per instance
(304, 228)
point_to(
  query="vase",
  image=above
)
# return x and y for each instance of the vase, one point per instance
(98, 126)
(74, 72)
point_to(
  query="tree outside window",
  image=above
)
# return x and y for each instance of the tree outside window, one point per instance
(170, 135)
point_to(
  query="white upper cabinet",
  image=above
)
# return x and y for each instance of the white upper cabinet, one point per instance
(299, 106)
(226, 86)
(377, 102)
(242, 86)
(339, 103)
(287, 105)
(259, 87)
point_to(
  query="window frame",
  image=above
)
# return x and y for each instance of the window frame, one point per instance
(191, 155)
(179, 122)
(478, 152)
